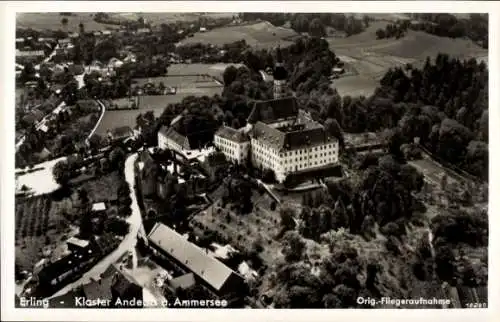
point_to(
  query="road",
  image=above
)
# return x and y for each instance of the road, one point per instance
(103, 107)
(127, 244)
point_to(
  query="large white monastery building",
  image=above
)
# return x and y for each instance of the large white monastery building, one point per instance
(279, 136)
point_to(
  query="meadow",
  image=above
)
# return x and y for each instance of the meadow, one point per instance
(369, 58)
(258, 35)
(52, 21)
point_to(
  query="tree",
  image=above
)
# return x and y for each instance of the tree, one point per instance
(293, 246)
(64, 22)
(81, 28)
(229, 75)
(333, 128)
(287, 218)
(61, 172)
(117, 158)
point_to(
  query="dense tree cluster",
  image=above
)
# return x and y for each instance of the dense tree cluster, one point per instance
(474, 27)
(445, 105)
(237, 190)
(452, 229)
(313, 23)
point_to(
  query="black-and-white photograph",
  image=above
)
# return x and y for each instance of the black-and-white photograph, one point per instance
(251, 160)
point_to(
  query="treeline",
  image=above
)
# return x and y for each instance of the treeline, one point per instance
(442, 24)
(313, 23)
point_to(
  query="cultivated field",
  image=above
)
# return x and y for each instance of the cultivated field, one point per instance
(40, 225)
(182, 76)
(52, 21)
(156, 18)
(370, 58)
(242, 230)
(258, 35)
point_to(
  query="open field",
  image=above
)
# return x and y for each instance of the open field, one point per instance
(259, 35)
(242, 230)
(433, 171)
(156, 18)
(186, 86)
(370, 58)
(52, 21)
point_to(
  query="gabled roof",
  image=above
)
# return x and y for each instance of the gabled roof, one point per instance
(209, 269)
(232, 134)
(122, 131)
(178, 138)
(306, 135)
(183, 282)
(273, 110)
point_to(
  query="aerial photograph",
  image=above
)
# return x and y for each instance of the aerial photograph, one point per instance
(251, 160)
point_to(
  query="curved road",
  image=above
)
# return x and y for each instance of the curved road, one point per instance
(128, 243)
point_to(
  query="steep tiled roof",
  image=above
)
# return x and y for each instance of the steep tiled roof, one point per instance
(175, 136)
(209, 269)
(121, 131)
(272, 110)
(183, 282)
(231, 134)
(310, 134)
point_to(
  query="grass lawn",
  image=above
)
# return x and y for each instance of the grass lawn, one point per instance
(52, 21)
(242, 230)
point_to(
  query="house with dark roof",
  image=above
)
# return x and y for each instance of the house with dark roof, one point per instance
(233, 143)
(219, 279)
(120, 134)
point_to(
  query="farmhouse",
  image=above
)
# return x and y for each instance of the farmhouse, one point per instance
(169, 138)
(120, 134)
(222, 281)
(282, 137)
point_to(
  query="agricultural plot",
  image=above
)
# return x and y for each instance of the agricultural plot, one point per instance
(369, 58)
(243, 230)
(40, 225)
(52, 21)
(187, 85)
(259, 35)
(156, 18)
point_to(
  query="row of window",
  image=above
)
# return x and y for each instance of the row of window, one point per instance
(314, 156)
(308, 165)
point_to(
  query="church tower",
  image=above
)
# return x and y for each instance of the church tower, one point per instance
(280, 76)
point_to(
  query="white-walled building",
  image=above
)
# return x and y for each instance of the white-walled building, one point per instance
(169, 138)
(282, 137)
(234, 144)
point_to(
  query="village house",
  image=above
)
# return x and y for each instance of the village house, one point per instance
(169, 138)
(221, 281)
(120, 134)
(30, 54)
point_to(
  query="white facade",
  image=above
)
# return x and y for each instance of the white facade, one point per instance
(234, 151)
(286, 162)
